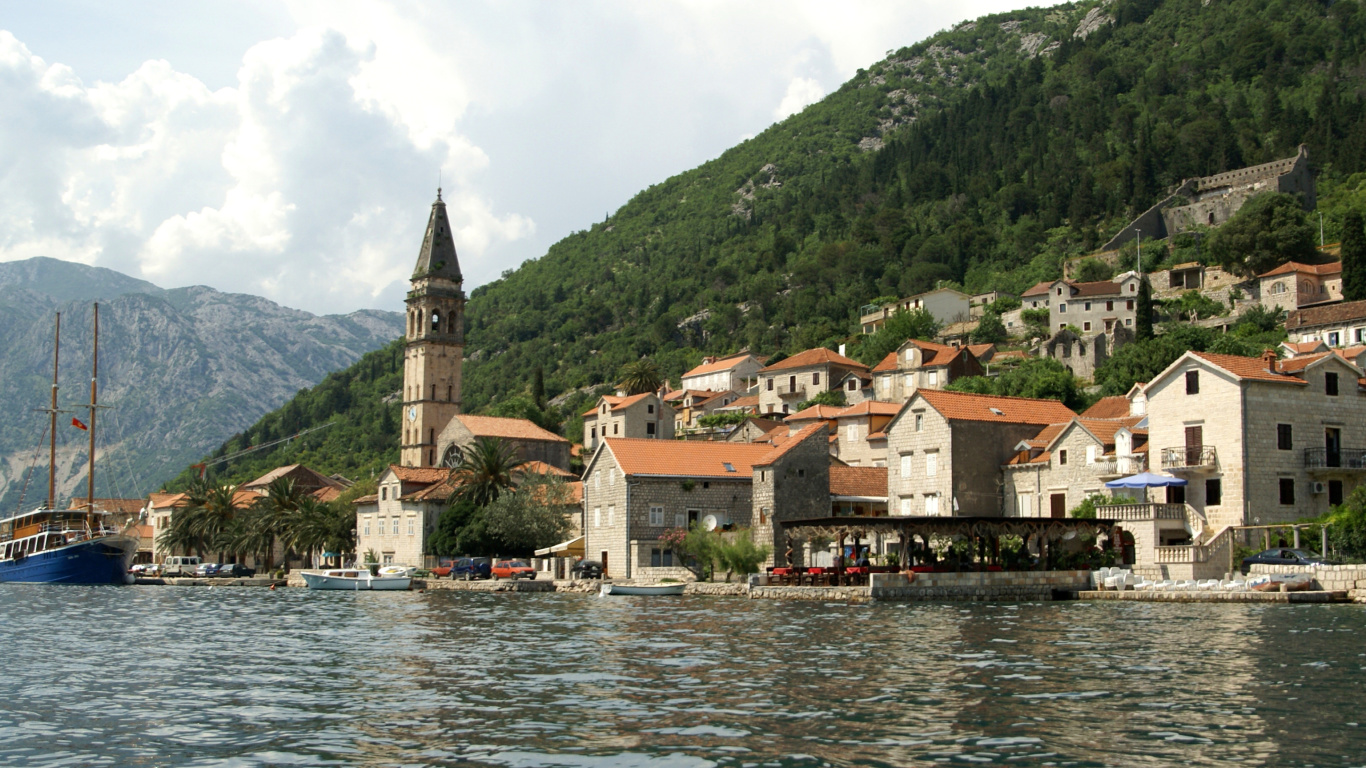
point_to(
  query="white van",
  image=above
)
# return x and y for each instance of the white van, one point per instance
(180, 565)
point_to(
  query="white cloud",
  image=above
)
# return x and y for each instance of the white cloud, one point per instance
(801, 92)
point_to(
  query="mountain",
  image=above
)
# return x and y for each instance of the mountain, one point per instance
(980, 157)
(182, 369)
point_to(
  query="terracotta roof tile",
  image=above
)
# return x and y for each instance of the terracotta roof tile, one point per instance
(120, 506)
(870, 408)
(542, 468)
(1295, 267)
(1105, 429)
(879, 435)
(816, 412)
(576, 491)
(685, 458)
(888, 363)
(801, 436)
(1038, 289)
(1342, 312)
(1299, 363)
(740, 403)
(1047, 435)
(421, 475)
(163, 500)
(978, 350)
(512, 429)
(1116, 407)
(1014, 354)
(858, 481)
(1097, 288)
(1305, 347)
(1253, 368)
(817, 356)
(720, 364)
(369, 499)
(963, 406)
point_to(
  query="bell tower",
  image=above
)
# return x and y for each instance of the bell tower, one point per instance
(436, 343)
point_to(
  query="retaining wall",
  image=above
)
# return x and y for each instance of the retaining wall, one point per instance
(1327, 577)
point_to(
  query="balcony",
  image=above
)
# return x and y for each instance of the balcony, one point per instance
(1323, 459)
(788, 390)
(1119, 466)
(1193, 457)
(1138, 512)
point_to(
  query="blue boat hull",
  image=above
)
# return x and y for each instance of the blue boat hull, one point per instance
(102, 561)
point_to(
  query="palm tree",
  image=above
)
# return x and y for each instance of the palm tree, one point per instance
(640, 377)
(486, 468)
(316, 526)
(272, 516)
(210, 516)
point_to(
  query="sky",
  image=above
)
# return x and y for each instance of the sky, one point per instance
(292, 149)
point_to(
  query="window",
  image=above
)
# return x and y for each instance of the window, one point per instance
(396, 526)
(656, 516)
(1287, 491)
(763, 515)
(650, 428)
(770, 385)
(932, 504)
(931, 464)
(612, 477)
(1062, 309)
(1086, 326)
(853, 385)
(650, 408)
(1128, 321)
(661, 558)
(1359, 334)
(1284, 438)
(905, 507)
(1192, 382)
(597, 517)
(906, 466)
(934, 378)
(1109, 306)
(919, 421)
(1334, 339)
(815, 378)
(389, 559)
(614, 427)
(729, 468)
(1214, 492)
(593, 433)
(1062, 457)
(1086, 306)
(367, 527)
(597, 478)
(1176, 494)
(1024, 505)
(851, 433)
(1090, 454)
(410, 526)
(384, 494)
(680, 519)
(1129, 304)
(1330, 384)
(1277, 288)
(611, 515)
(784, 407)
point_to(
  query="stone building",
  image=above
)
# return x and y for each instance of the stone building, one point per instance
(1063, 464)
(801, 377)
(944, 304)
(688, 406)
(737, 372)
(645, 416)
(1096, 307)
(790, 483)
(1293, 285)
(306, 480)
(395, 522)
(434, 353)
(859, 432)
(531, 442)
(945, 450)
(916, 364)
(1336, 325)
(1082, 354)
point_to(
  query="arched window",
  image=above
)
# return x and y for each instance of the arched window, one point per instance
(436, 320)
(431, 435)
(1277, 288)
(450, 458)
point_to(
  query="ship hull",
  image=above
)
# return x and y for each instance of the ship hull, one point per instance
(101, 561)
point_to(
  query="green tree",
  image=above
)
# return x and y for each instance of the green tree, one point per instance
(532, 516)
(1353, 257)
(1091, 270)
(1036, 377)
(1086, 510)
(1036, 322)
(737, 553)
(1267, 231)
(484, 469)
(1140, 361)
(831, 397)
(1143, 309)
(990, 329)
(640, 376)
(913, 324)
(1193, 305)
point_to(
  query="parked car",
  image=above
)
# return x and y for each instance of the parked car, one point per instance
(587, 569)
(206, 570)
(1282, 556)
(466, 568)
(180, 565)
(513, 569)
(144, 569)
(235, 571)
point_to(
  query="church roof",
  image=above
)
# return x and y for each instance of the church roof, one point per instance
(437, 258)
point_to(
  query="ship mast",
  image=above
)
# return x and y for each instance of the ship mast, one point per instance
(94, 406)
(52, 425)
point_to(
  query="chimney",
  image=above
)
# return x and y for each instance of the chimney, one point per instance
(1269, 357)
(841, 350)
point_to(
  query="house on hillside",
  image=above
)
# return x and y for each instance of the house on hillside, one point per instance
(531, 442)
(1060, 466)
(690, 405)
(395, 522)
(1336, 325)
(645, 416)
(307, 481)
(1293, 285)
(737, 373)
(916, 364)
(860, 433)
(944, 304)
(945, 450)
(1096, 307)
(801, 377)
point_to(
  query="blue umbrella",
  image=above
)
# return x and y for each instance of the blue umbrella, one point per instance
(1145, 480)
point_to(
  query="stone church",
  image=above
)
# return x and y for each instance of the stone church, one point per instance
(433, 427)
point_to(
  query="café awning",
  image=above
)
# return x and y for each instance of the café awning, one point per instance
(1145, 480)
(571, 548)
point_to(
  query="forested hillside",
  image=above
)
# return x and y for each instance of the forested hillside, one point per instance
(980, 157)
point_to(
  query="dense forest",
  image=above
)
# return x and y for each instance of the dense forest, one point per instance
(979, 158)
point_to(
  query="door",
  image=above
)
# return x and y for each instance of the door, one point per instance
(1195, 439)
(1332, 443)
(1334, 492)
(603, 557)
(1058, 505)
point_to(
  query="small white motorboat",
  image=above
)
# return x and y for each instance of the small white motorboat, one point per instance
(641, 589)
(398, 570)
(354, 579)
(1273, 582)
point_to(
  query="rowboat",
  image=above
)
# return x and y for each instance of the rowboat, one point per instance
(353, 579)
(641, 589)
(1272, 582)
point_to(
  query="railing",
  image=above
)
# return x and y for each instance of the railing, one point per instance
(789, 391)
(1219, 548)
(1189, 457)
(1131, 512)
(1121, 465)
(1342, 458)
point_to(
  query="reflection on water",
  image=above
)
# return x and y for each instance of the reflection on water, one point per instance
(224, 676)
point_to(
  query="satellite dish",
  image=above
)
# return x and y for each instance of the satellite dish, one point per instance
(709, 522)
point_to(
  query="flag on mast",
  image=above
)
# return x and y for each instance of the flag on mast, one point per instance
(78, 424)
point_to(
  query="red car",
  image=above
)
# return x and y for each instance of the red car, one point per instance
(513, 569)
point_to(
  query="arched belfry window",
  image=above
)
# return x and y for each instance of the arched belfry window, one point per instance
(436, 321)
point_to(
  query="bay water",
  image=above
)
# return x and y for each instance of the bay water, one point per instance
(167, 676)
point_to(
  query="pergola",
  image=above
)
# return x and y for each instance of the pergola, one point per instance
(984, 532)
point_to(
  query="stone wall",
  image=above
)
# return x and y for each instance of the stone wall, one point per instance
(1326, 577)
(796, 486)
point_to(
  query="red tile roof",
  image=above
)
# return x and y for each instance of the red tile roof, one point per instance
(1105, 429)
(888, 363)
(1047, 435)
(1097, 288)
(817, 356)
(163, 500)
(858, 481)
(720, 364)
(120, 506)
(420, 475)
(817, 429)
(1116, 407)
(370, 499)
(685, 458)
(542, 468)
(1295, 267)
(740, 403)
(576, 491)
(511, 429)
(978, 350)
(302, 476)
(1342, 312)
(1038, 289)
(1305, 347)
(870, 408)
(964, 406)
(1253, 368)
(1299, 363)
(1014, 354)
(816, 412)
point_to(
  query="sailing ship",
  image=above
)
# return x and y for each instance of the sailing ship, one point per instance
(69, 546)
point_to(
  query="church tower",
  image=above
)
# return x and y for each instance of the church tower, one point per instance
(436, 343)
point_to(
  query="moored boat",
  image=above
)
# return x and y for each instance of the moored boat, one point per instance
(1272, 582)
(641, 589)
(354, 579)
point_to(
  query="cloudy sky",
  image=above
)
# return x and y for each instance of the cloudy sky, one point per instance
(291, 149)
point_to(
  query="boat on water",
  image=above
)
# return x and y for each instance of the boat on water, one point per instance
(641, 589)
(1272, 582)
(354, 580)
(68, 546)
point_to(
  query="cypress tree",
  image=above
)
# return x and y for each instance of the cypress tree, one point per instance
(1143, 325)
(1353, 257)
(538, 387)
